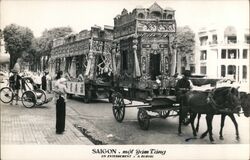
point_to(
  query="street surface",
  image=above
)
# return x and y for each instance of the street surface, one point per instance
(95, 122)
(97, 118)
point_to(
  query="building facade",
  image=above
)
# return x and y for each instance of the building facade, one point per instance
(223, 52)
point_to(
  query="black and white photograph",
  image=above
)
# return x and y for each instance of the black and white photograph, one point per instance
(124, 79)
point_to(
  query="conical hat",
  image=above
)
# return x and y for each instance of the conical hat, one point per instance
(14, 70)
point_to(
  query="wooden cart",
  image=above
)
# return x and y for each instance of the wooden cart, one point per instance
(144, 62)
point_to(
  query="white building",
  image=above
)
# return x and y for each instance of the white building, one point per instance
(223, 52)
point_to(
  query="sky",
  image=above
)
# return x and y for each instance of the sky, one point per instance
(39, 15)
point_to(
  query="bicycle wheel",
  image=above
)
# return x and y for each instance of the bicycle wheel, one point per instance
(41, 96)
(29, 99)
(6, 94)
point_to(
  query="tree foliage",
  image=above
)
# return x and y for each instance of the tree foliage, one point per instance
(45, 42)
(17, 40)
(185, 40)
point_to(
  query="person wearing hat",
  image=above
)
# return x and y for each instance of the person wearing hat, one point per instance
(183, 86)
(15, 83)
(44, 80)
(60, 94)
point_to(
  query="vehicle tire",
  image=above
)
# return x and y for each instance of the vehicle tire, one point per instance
(118, 107)
(6, 94)
(41, 96)
(29, 99)
(143, 119)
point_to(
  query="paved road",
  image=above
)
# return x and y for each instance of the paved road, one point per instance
(97, 118)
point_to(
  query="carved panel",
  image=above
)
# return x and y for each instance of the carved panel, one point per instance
(107, 47)
(97, 45)
(156, 26)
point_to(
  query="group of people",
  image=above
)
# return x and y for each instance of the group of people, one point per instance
(59, 90)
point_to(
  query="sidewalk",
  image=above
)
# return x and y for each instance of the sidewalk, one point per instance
(20, 125)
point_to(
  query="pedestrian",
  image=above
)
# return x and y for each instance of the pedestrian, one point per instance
(45, 78)
(60, 91)
(15, 83)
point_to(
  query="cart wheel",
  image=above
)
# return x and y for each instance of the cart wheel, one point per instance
(6, 94)
(29, 99)
(118, 107)
(41, 96)
(143, 119)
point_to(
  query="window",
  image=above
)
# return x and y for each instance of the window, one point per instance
(169, 16)
(244, 72)
(247, 39)
(155, 65)
(203, 40)
(203, 70)
(155, 15)
(232, 54)
(223, 54)
(141, 15)
(231, 70)
(164, 16)
(203, 55)
(223, 70)
(192, 68)
(231, 39)
(124, 60)
(244, 54)
(214, 37)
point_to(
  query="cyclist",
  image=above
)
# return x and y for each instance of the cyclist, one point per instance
(15, 83)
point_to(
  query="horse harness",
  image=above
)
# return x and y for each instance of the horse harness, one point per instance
(217, 107)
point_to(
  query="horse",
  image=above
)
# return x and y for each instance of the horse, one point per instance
(218, 101)
(245, 104)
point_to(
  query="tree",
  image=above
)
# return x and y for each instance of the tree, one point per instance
(17, 40)
(45, 42)
(184, 44)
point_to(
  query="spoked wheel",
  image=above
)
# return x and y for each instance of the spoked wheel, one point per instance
(118, 107)
(41, 96)
(29, 99)
(6, 95)
(143, 119)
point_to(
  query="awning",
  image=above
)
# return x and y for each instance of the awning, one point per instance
(204, 81)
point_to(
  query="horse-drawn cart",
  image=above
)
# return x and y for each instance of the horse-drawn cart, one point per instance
(85, 59)
(144, 62)
(158, 107)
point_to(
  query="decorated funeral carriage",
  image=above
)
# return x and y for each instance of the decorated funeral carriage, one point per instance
(85, 59)
(144, 62)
